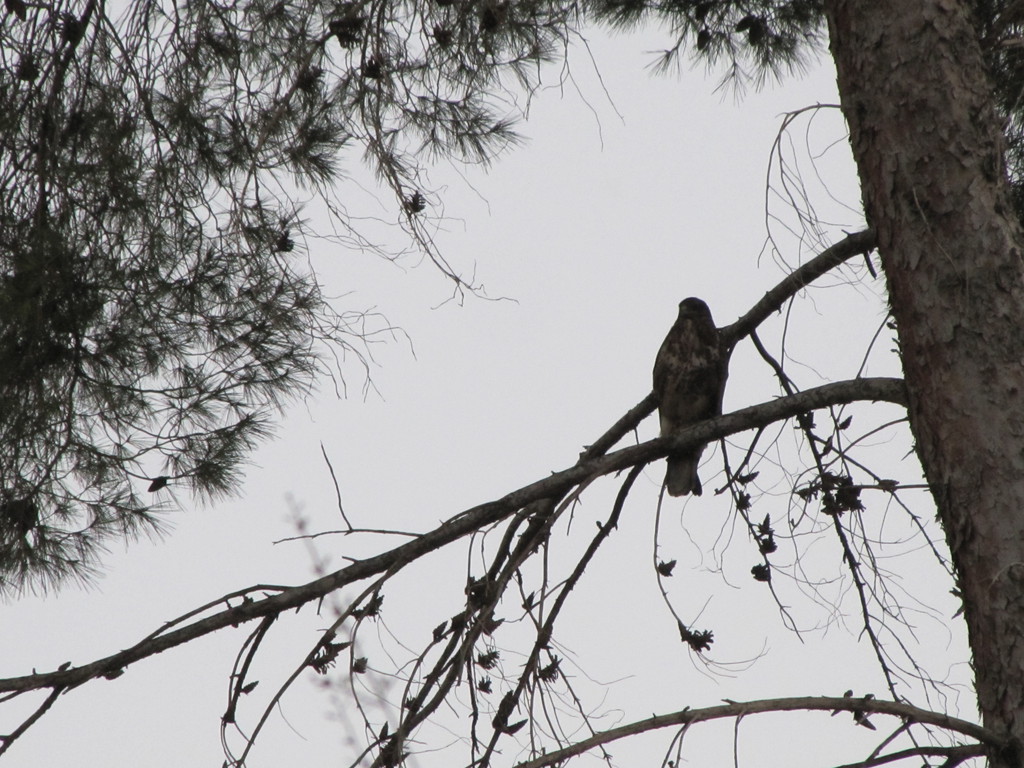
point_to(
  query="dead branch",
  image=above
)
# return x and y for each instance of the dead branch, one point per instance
(740, 709)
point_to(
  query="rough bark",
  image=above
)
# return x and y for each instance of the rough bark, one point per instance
(928, 147)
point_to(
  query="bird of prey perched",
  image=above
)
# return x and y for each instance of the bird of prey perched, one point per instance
(689, 378)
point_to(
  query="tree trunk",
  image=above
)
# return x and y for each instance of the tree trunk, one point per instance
(928, 147)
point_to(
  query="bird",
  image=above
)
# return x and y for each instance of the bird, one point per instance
(689, 378)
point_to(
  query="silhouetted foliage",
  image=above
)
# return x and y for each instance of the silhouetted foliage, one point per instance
(152, 310)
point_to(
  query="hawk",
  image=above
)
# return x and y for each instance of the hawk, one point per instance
(688, 381)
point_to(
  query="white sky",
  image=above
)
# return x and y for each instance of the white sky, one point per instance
(597, 228)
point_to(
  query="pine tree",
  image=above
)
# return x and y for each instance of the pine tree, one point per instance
(150, 309)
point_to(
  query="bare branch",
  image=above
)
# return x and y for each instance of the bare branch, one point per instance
(852, 245)
(618, 430)
(742, 709)
(8, 739)
(954, 755)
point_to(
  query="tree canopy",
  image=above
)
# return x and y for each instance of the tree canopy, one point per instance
(154, 163)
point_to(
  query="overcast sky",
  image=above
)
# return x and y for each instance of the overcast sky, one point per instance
(626, 198)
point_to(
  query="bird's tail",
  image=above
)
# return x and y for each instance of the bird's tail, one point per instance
(681, 477)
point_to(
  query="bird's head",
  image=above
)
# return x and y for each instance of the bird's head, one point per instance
(694, 308)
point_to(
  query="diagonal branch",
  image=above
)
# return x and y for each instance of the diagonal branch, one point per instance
(469, 521)
(7, 739)
(954, 755)
(852, 245)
